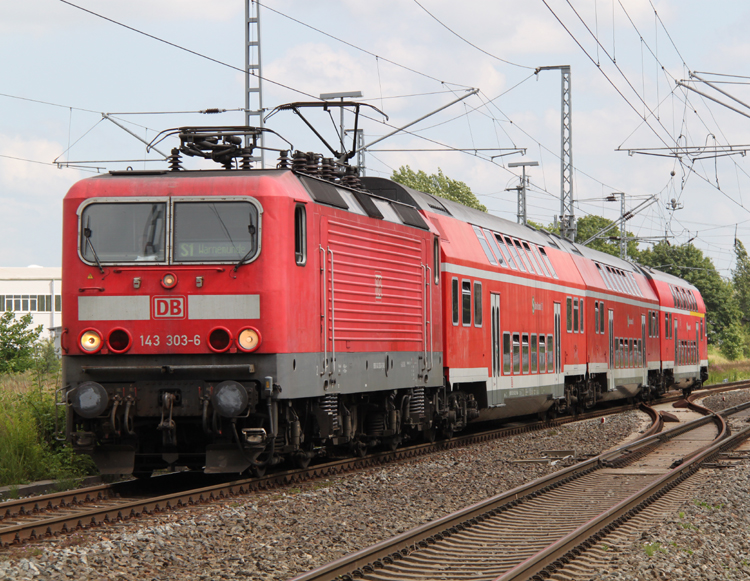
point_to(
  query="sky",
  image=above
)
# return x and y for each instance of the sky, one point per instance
(68, 63)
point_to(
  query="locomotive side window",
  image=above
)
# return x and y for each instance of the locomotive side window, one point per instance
(516, 353)
(569, 313)
(454, 292)
(533, 353)
(215, 231)
(300, 235)
(506, 353)
(542, 355)
(525, 351)
(477, 304)
(123, 232)
(436, 259)
(466, 302)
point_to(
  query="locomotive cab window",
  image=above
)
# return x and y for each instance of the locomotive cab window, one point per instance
(113, 232)
(300, 235)
(222, 231)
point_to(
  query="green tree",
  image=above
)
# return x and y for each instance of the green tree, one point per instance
(688, 262)
(589, 225)
(17, 342)
(741, 280)
(438, 185)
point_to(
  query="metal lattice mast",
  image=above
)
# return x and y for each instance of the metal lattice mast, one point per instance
(253, 74)
(567, 214)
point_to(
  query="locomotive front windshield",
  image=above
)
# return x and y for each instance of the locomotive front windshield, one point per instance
(215, 231)
(201, 231)
(131, 232)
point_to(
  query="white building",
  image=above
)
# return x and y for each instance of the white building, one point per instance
(34, 290)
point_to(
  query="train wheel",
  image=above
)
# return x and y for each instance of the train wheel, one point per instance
(142, 474)
(429, 435)
(259, 471)
(302, 461)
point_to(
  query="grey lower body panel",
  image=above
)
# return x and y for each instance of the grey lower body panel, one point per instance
(300, 375)
(516, 406)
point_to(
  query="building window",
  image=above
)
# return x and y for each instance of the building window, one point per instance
(506, 353)
(533, 353)
(454, 290)
(569, 313)
(300, 235)
(477, 304)
(516, 353)
(525, 352)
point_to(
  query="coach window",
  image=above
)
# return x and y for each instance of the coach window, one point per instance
(300, 235)
(516, 353)
(666, 325)
(524, 258)
(550, 354)
(436, 259)
(575, 315)
(454, 290)
(466, 302)
(484, 245)
(514, 252)
(580, 310)
(539, 260)
(547, 262)
(534, 354)
(495, 248)
(525, 351)
(569, 313)
(596, 317)
(505, 252)
(631, 353)
(506, 353)
(601, 317)
(542, 355)
(477, 304)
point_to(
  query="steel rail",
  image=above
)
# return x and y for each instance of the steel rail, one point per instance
(391, 550)
(77, 498)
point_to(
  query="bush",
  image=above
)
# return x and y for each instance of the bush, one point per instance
(17, 342)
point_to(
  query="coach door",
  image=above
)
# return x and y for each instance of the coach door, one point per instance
(558, 359)
(496, 334)
(643, 349)
(611, 372)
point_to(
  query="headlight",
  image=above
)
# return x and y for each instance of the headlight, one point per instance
(90, 341)
(169, 280)
(249, 339)
(89, 399)
(229, 398)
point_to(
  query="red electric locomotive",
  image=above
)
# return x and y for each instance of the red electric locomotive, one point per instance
(233, 319)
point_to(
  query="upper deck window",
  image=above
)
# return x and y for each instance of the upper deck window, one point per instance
(124, 232)
(215, 231)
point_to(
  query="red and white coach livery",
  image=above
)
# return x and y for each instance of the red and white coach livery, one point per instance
(237, 318)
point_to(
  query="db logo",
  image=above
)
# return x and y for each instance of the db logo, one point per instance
(168, 308)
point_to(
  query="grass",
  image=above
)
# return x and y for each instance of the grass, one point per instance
(652, 548)
(29, 450)
(721, 369)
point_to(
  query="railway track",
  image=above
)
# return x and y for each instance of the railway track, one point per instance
(542, 529)
(63, 512)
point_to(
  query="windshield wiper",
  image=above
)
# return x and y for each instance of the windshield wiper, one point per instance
(87, 235)
(251, 229)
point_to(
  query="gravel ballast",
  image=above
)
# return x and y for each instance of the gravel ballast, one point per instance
(279, 534)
